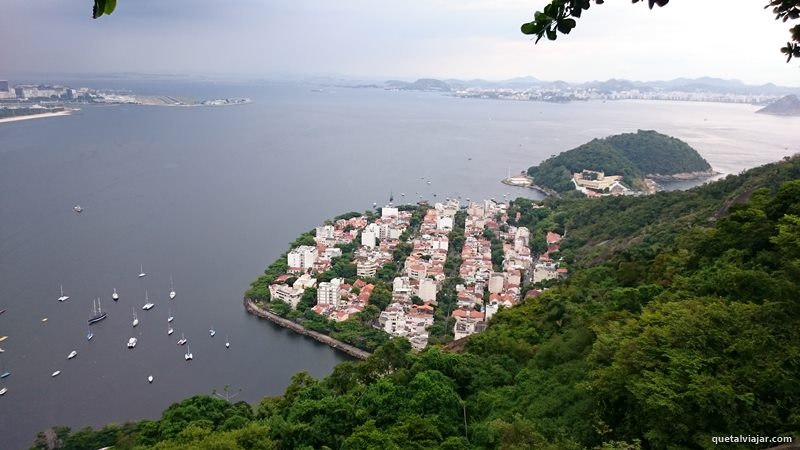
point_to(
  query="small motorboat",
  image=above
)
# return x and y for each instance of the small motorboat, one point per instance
(56, 373)
(77, 209)
(211, 331)
(115, 296)
(188, 356)
(150, 379)
(132, 342)
(72, 354)
(3, 391)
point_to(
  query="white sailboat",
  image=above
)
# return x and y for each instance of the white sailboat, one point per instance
(115, 296)
(150, 379)
(148, 304)
(72, 354)
(135, 319)
(63, 297)
(182, 340)
(169, 314)
(188, 356)
(89, 334)
(169, 330)
(172, 292)
(56, 373)
(141, 271)
(132, 342)
(211, 331)
(3, 391)
(227, 342)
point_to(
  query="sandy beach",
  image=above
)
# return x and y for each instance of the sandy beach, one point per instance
(36, 116)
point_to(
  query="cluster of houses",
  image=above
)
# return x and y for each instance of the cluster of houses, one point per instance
(414, 293)
(423, 275)
(477, 271)
(546, 267)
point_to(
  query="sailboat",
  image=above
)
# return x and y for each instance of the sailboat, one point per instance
(211, 331)
(132, 342)
(188, 356)
(141, 272)
(63, 297)
(56, 373)
(135, 319)
(169, 330)
(150, 379)
(115, 296)
(3, 391)
(172, 292)
(97, 312)
(72, 354)
(182, 340)
(148, 304)
(227, 342)
(169, 315)
(5, 373)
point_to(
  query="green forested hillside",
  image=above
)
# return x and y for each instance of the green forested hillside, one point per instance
(632, 155)
(681, 321)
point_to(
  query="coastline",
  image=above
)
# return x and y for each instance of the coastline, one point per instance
(350, 350)
(36, 116)
(530, 185)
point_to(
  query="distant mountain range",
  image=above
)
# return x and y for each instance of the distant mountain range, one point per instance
(703, 84)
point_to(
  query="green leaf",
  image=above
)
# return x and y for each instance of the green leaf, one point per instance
(110, 5)
(99, 7)
(528, 28)
(552, 35)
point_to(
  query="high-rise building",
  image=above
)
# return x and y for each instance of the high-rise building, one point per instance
(3, 85)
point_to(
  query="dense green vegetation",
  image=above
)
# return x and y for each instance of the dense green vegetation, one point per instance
(632, 155)
(681, 321)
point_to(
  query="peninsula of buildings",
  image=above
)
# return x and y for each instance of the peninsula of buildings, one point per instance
(430, 274)
(34, 100)
(703, 89)
(624, 164)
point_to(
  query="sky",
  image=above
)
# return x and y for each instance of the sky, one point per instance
(385, 39)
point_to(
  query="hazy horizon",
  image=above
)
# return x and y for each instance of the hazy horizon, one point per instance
(356, 39)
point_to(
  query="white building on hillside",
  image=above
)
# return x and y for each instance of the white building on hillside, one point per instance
(302, 258)
(328, 292)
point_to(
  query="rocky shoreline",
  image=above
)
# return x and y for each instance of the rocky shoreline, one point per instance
(255, 310)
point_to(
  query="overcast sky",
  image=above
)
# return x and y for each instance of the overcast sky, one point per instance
(380, 39)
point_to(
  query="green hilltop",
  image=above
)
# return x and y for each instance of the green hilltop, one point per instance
(632, 155)
(680, 322)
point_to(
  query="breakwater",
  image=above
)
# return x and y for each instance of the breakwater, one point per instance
(255, 310)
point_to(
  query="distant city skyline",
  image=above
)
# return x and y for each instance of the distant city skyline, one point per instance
(356, 39)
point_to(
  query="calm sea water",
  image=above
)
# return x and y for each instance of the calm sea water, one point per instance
(213, 195)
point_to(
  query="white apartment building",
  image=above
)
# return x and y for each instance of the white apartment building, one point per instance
(366, 268)
(325, 232)
(302, 258)
(286, 294)
(427, 290)
(328, 292)
(388, 211)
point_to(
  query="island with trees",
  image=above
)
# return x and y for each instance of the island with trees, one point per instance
(679, 322)
(633, 158)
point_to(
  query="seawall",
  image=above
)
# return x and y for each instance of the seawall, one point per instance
(355, 352)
